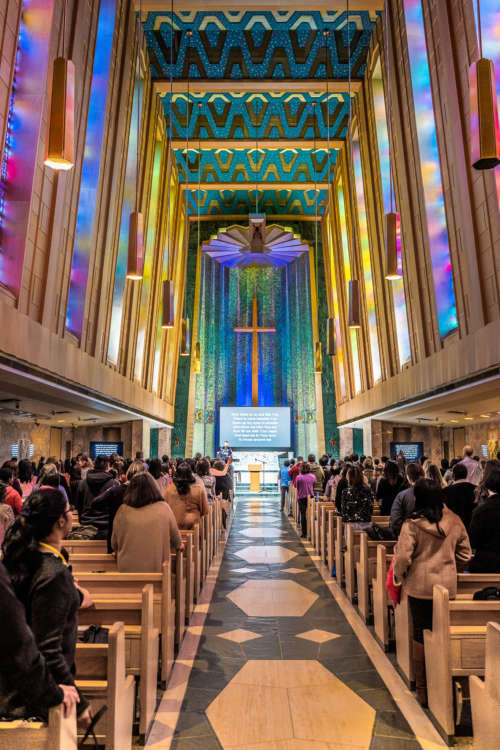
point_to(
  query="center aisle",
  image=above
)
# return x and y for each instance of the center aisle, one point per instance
(278, 666)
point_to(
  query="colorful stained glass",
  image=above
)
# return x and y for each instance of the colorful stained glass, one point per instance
(366, 260)
(128, 205)
(397, 285)
(430, 167)
(490, 27)
(336, 314)
(26, 104)
(148, 259)
(353, 334)
(84, 232)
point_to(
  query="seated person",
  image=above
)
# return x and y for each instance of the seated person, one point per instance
(144, 530)
(404, 502)
(8, 494)
(459, 496)
(187, 499)
(485, 530)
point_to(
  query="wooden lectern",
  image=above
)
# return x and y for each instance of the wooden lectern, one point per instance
(254, 470)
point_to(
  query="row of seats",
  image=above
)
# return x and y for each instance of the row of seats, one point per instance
(146, 614)
(459, 650)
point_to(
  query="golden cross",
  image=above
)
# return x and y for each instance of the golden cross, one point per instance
(255, 330)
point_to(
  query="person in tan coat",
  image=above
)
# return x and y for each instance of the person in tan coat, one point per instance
(144, 530)
(187, 499)
(432, 546)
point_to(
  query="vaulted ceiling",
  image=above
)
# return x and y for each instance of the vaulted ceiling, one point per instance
(257, 101)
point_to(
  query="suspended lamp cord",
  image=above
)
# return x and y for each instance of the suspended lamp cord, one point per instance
(188, 118)
(170, 156)
(139, 47)
(199, 178)
(328, 141)
(349, 141)
(315, 161)
(480, 33)
(389, 111)
(256, 167)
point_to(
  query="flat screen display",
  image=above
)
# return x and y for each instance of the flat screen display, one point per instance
(98, 448)
(411, 451)
(255, 426)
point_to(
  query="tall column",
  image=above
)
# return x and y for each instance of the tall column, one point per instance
(345, 434)
(140, 436)
(164, 441)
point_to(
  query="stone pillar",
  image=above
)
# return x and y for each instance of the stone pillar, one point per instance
(367, 437)
(345, 439)
(164, 441)
(140, 436)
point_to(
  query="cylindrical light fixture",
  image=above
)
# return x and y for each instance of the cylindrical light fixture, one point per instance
(59, 147)
(167, 304)
(331, 337)
(354, 304)
(393, 268)
(318, 357)
(485, 128)
(197, 358)
(135, 262)
(185, 338)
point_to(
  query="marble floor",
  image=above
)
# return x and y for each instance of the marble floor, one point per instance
(271, 662)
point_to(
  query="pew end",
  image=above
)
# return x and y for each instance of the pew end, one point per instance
(485, 694)
(58, 734)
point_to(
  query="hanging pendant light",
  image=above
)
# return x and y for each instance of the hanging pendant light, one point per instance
(185, 338)
(197, 358)
(135, 261)
(318, 357)
(393, 264)
(60, 140)
(331, 337)
(354, 304)
(167, 304)
(485, 128)
(393, 268)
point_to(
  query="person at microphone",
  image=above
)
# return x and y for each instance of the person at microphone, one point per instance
(225, 451)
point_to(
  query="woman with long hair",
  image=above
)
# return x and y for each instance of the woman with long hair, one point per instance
(432, 472)
(208, 479)
(144, 528)
(156, 471)
(33, 556)
(390, 485)
(357, 497)
(432, 546)
(186, 498)
(26, 476)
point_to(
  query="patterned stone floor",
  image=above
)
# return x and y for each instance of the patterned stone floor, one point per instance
(276, 665)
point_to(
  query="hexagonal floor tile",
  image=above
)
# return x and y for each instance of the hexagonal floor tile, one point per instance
(272, 598)
(259, 532)
(265, 554)
(275, 701)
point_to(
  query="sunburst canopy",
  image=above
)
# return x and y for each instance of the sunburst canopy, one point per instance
(233, 247)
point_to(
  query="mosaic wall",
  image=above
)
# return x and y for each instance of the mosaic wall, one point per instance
(239, 44)
(269, 201)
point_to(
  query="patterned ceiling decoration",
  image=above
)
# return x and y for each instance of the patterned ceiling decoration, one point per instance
(244, 44)
(262, 115)
(274, 201)
(250, 165)
(232, 247)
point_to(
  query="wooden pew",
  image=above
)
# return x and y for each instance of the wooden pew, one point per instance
(323, 528)
(366, 569)
(58, 734)
(381, 601)
(485, 695)
(102, 678)
(351, 555)
(141, 642)
(331, 537)
(126, 586)
(85, 546)
(455, 647)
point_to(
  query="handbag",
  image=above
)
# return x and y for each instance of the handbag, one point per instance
(95, 634)
(393, 589)
(489, 593)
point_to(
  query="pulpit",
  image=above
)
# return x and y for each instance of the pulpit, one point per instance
(254, 470)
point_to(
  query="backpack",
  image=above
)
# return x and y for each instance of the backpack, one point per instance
(95, 634)
(84, 532)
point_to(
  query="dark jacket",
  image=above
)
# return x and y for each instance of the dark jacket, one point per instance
(386, 493)
(318, 476)
(51, 601)
(460, 499)
(402, 508)
(485, 537)
(26, 685)
(102, 511)
(342, 484)
(94, 484)
(357, 504)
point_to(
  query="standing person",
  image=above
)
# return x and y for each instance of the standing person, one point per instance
(474, 473)
(44, 584)
(459, 496)
(404, 502)
(284, 479)
(144, 530)
(432, 546)
(8, 494)
(485, 529)
(304, 483)
(26, 477)
(295, 470)
(208, 479)
(401, 462)
(481, 493)
(95, 483)
(186, 498)
(225, 451)
(327, 472)
(433, 473)
(357, 498)
(319, 475)
(389, 486)
(156, 471)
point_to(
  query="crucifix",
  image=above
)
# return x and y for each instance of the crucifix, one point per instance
(255, 330)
